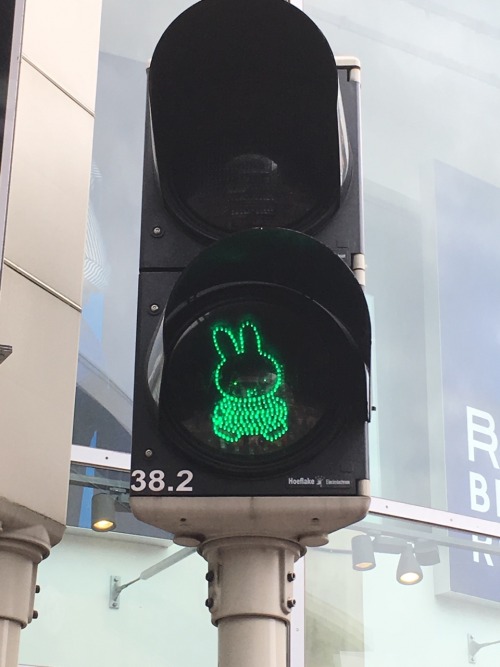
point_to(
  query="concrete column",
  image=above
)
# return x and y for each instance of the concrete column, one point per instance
(20, 552)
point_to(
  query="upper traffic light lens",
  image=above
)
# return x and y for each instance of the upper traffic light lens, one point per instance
(243, 100)
(249, 190)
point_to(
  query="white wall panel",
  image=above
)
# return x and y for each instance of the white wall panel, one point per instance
(49, 185)
(161, 622)
(62, 38)
(37, 388)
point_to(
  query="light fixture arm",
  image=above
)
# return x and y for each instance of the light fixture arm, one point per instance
(116, 588)
(473, 648)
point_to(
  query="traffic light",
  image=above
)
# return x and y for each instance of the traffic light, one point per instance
(251, 395)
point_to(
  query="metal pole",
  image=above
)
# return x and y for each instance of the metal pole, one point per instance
(20, 552)
(250, 597)
(253, 642)
(9, 643)
(166, 562)
(10, 632)
(116, 588)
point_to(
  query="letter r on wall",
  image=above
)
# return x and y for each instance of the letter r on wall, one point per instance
(481, 423)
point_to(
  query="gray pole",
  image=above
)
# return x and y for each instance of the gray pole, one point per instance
(250, 597)
(20, 552)
(10, 633)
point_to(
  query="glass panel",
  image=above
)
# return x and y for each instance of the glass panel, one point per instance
(103, 411)
(10, 46)
(368, 618)
(353, 618)
(161, 620)
(430, 100)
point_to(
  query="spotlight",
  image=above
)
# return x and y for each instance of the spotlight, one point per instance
(363, 557)
(427, 552)
(409, 571)
(103, 512)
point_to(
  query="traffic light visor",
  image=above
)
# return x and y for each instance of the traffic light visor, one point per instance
(254, 375)
(243, 103)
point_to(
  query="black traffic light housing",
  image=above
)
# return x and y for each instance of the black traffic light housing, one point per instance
(251, 395)
(245, 128)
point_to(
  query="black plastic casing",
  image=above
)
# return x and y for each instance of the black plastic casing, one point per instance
(167, 248)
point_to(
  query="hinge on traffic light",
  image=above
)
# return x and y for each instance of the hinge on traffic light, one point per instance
(359, 268)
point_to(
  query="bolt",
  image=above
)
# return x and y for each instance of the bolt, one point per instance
(37, 588)
(291, 576)
(210, 576)
(290, 603)
(114, 605)
(35, 614)
(157, 231)
(209, 602)
(154, 309)
(148, 453)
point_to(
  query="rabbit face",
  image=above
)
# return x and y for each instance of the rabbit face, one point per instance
(247, 378)
(246, 375)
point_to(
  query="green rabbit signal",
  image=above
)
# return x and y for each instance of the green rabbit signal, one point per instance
(248, 380)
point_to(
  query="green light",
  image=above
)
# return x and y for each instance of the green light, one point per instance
(248, 380)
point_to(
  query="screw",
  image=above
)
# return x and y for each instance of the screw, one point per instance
(209, 602)
(148, 453)
(35, 614)
(114, 605)
(210, 576)
(157, 231)
(154, 308)
(291, 576)
(290, 603)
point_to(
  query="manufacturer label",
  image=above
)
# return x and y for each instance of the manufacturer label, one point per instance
(322, 482)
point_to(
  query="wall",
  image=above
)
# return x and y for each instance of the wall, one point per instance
(42, 278)
(161, 621)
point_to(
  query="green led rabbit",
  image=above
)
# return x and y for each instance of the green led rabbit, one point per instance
(248, 380)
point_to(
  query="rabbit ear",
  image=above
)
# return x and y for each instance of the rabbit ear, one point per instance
(224, 341)
(250, 339)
